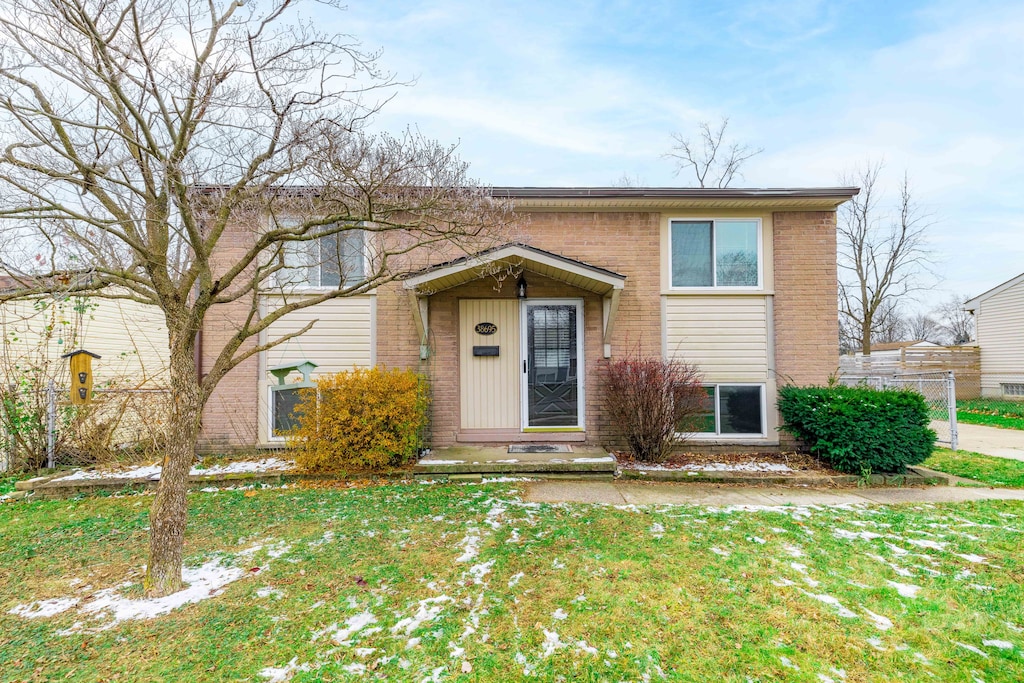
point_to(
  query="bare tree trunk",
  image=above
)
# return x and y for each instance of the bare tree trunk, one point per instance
(168, 515)
(865, 336)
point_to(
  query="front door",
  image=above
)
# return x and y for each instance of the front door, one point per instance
(552, 344)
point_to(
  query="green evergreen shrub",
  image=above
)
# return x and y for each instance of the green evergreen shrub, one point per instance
(859, 429)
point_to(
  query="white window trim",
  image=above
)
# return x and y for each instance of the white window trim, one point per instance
(717, 435)
(276, 285)
(271, 437)
(714, 266)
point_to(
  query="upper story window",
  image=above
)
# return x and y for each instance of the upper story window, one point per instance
(716, 253)
(332, 260)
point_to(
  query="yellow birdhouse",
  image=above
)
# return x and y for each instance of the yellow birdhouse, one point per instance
(81, 376)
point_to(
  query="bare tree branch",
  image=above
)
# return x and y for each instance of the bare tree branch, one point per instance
(174, 152)
(714, 161)
(883, 256)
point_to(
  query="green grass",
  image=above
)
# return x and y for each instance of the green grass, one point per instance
(697, 594)
(984, 468)
(992, 413)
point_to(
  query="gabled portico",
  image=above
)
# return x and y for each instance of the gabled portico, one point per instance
(516, 316)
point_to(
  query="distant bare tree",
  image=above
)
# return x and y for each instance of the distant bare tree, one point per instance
(713, 160)
(882, 255)
(627, 180)
(954, 322)
(922, 326)
(889, 325)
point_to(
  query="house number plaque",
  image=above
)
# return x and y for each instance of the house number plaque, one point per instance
(486, 328)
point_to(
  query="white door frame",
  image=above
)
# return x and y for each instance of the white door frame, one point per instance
(580, 365)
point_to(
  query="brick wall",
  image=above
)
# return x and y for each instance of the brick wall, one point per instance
(624, 242)
(230, 417)
(806, 313)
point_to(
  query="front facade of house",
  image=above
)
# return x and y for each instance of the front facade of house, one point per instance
(999, 325)
(741, 283)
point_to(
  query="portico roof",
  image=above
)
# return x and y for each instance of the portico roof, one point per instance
(462, 270)
(515, 256)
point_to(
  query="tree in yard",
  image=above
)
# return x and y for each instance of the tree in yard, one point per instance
(140, 136)
(713, 160)
(956, 323)
(923, 326)
(882, 255)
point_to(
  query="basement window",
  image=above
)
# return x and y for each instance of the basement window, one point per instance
(732, 410)
(1013, 389)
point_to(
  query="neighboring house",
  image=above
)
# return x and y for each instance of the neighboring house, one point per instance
(129, 337)
(740, 282)
(999, 324)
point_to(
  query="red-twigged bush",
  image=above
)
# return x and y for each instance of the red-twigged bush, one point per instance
(654, 403)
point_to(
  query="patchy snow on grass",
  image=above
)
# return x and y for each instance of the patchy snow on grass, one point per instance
(851, 535)
(353, 625)
(516, 578)
(971, 648)
(478, 571)
(880, 622)
(427, 611)
(1001, 644)
(925, 543)
(470, 545)
(834, 602)
(560, 614)
(44, 608)
(907, 590)
(269, 591)
(153, 471)
(551, 643)
(657, 530)
(718, 551)
(284, 673)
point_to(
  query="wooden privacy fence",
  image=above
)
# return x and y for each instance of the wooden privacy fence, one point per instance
(963, 361)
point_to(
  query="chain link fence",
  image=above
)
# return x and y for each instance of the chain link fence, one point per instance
(938, 389)
(43, 429)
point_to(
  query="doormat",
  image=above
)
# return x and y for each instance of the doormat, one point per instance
(539, 448)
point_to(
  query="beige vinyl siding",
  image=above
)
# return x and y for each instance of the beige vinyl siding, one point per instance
(341, 338)
(129, 337)
(725, 336)
(1000, 323)
(489, 385)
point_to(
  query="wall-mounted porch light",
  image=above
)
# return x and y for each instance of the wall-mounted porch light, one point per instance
(521, 287)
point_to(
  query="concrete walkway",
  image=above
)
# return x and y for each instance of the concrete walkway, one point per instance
(629, 493)
(1002, 443)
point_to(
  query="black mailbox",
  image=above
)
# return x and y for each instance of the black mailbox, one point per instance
(485, 350)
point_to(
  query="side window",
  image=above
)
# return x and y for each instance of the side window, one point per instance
(717, 253)
(332, 260)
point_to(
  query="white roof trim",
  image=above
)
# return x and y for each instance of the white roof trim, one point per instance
(526, 255)
(972, 304)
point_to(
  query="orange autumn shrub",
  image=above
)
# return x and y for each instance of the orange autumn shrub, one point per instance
(363, 419)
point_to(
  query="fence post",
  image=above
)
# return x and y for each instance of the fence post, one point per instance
(51, 423)
(951, 402)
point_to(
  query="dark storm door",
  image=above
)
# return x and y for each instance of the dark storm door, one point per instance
(553, 364)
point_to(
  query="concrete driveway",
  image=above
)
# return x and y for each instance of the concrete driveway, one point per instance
(1002, 443)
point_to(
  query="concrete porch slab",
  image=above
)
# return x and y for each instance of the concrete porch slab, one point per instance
(584, 461)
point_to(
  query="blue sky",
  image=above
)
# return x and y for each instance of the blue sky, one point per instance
(571, 92)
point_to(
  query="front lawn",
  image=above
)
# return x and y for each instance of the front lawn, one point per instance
(992, 413)
(1002, 472)
(445, 582)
